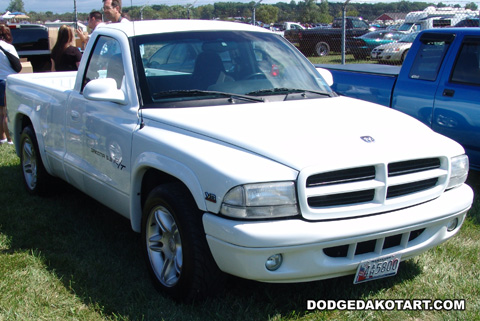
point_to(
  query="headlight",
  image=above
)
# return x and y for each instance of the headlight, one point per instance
(459, 172)
(259, 201)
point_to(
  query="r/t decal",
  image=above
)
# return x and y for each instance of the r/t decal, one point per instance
(210, 197)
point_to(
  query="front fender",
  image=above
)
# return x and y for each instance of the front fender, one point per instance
(152, 160)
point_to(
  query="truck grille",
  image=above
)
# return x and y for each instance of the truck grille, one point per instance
(373, 188)
(373, 246)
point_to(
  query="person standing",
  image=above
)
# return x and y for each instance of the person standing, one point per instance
(5, 70)
(65, 56)
(113, 11)
(94, 20)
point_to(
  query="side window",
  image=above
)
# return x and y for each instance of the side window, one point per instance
(466, 69)
(430, 56)
(173, 56)
(105, 61)
(359, 24)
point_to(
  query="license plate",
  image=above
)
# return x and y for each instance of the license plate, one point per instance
(374, 55)
(378, 268)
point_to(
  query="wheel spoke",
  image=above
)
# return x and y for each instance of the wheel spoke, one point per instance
(179, 259)
(156, 243)
(27, 149)
(169, 274)
(164, 220)
(27, 168)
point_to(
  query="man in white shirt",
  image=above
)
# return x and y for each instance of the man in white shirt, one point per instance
(95, 20)
(113, 11)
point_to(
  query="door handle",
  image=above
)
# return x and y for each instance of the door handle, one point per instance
(448, 92)
(74, 115)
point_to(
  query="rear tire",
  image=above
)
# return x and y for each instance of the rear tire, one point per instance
(175, 247)
(322, 49)
(35, 177)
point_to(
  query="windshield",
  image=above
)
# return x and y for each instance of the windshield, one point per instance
(405, 27)
(409, 37)
(193, 66)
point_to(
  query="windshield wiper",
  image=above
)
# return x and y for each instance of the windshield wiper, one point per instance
(204, 93)
(287, 91)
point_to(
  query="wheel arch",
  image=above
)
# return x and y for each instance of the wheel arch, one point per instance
(19, 123)
(24, 119)
(149, 174)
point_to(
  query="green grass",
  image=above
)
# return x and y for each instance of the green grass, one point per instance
(336, 58)
(66, 257)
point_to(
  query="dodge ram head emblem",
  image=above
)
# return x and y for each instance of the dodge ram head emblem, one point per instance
(367, 139)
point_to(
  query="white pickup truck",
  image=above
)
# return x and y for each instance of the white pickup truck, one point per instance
(229, 153)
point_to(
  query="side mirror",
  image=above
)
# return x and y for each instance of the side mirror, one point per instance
(104, 89)
(327, 75)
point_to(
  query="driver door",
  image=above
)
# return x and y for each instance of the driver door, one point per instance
(103, 129)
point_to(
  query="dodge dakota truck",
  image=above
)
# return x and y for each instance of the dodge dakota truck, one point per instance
(230, 154)
(438, 84)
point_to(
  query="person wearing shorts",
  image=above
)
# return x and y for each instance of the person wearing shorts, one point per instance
(5, 70)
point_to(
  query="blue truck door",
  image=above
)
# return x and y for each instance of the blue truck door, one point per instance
(416, 87)
(457, 105)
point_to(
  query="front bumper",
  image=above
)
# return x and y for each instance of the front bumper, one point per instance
(386, 56)
(241, 248)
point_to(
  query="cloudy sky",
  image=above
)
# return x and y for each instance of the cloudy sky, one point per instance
(83, 6)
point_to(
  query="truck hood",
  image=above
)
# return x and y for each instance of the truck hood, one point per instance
(328, 132)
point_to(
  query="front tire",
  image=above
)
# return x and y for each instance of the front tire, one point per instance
(35, 177)
(175, 247)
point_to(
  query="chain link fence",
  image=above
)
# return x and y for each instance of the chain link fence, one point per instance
(385, 40)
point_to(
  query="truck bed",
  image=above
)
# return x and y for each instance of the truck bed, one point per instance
(60, 81)
(379, 81)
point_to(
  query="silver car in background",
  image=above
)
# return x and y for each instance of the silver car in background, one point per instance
(394, 52)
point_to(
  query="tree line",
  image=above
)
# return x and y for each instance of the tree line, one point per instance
(307, 11)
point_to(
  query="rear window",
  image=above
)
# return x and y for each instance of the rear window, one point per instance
(30, 38)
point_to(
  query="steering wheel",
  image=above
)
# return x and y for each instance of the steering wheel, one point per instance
(255, 75)
(154, 65)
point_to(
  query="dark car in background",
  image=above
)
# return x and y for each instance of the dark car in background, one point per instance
(321, 41)
(362, 46)
(31, 41)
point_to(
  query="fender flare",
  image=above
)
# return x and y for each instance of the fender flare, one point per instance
(151, 160)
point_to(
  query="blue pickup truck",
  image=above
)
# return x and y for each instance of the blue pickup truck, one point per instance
(438, 83)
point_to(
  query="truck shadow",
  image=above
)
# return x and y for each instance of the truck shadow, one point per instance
(96, 256)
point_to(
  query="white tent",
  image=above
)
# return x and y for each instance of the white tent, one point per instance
(8, 15)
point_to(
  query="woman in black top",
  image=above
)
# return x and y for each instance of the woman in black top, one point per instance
(65, 56)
